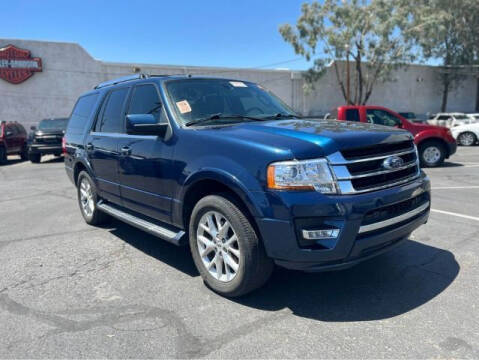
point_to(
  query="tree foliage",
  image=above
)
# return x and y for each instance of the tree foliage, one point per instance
(371, 32)
(447, 30)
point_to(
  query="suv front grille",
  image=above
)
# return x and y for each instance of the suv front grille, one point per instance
(363, 169)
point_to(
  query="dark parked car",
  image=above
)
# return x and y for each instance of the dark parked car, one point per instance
(47, 139)
(13, 141)
(227, 167)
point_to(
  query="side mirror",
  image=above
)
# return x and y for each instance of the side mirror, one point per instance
(144, 124)
(33, 127)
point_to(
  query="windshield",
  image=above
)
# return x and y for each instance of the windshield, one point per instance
(198, 99)
(53, 124)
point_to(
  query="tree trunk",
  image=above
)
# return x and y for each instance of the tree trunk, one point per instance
(445, 92)
(477, 94)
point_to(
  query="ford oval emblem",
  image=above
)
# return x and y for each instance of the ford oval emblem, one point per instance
(393, 162)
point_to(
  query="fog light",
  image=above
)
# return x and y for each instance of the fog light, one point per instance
(320, 234)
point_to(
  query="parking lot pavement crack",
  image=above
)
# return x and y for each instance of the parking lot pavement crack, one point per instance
(187, 345)
(45, 236)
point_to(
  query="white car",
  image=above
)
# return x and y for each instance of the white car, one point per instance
(466, 135)
(452, 120)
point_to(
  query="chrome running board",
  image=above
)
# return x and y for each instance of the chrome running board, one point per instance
(154, 229)
(394, 220)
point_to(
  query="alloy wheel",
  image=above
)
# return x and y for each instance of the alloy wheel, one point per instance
(86, 197)
(218, 246)
(431, 155)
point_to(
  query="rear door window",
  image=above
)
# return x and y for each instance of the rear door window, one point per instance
(111, 119)
(352, 115)
(82, 112)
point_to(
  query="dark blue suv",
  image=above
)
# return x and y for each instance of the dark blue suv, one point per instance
(226, 167)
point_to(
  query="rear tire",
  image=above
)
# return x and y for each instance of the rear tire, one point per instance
(467, 138)
(3, 156)
(229, 246)
(87, 200)
(35, 158)
(432, 153)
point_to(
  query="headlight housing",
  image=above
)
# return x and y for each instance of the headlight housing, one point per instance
(302, 175)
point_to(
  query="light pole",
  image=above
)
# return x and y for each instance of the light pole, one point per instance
(347, 76)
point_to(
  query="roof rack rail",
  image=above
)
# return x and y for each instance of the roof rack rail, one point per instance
(121, 80)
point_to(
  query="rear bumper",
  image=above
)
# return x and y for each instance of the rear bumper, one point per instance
(357, 240)
(45, 149)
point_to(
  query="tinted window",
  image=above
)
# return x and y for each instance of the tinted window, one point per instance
(82, 111)
(12, 129)
(352, 114)
(53, 124)
(382, 117)
(145, 100)
(112, 119)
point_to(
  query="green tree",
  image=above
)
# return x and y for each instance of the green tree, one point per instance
(447, 30)
(368, 31)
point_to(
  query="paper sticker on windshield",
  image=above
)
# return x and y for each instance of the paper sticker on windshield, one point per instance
(183, 106)
(238, 84)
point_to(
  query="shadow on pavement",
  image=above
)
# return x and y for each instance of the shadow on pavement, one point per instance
(383, 287)
(177, 257)
(450, 164)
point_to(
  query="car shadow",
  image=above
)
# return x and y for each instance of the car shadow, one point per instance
(450, 164)
(386, 286)
(177, 257)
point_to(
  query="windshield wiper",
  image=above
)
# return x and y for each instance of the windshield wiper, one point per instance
(222, 116)
(282, 116)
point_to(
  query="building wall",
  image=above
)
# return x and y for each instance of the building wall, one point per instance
(68, 71)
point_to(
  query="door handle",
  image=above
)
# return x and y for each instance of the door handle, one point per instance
(125, 151)
(89, 146)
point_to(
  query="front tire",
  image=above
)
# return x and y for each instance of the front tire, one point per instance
(467, 138)
(87, 199)
(432, 153)
(226, 249)
(35, 158)
(3, 156)
(24, 153)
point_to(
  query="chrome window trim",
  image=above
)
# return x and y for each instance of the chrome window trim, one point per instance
(394, 220)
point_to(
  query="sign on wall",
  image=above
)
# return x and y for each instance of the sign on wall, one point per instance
(17, 65)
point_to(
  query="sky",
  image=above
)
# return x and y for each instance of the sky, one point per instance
(229, 33)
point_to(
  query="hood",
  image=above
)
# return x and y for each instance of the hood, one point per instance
(311, 138)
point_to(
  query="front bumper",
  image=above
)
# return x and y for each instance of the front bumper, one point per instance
(357, 239)
(451, 148)
(45, 149)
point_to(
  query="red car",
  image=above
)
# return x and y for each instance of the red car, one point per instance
(13, 140)
(434, 143)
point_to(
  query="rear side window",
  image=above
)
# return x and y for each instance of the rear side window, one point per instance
(145, 100)
(111, 119)
(81, 112)
(352, 114)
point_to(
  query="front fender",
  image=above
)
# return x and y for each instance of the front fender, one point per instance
(429, 134)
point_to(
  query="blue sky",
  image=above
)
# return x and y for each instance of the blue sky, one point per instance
(240, 33)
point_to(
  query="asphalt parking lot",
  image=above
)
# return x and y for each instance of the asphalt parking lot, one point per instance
(68, 290)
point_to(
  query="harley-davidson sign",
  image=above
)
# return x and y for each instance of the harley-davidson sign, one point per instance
(17, 65)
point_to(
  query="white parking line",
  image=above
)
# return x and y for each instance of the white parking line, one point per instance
(456, 214)
(454, 187)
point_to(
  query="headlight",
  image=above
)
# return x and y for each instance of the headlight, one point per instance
(302, 175)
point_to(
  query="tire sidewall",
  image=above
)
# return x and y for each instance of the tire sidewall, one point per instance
(427, 145)
(219, 204)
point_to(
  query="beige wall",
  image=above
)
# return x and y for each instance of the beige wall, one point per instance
(68, 71)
